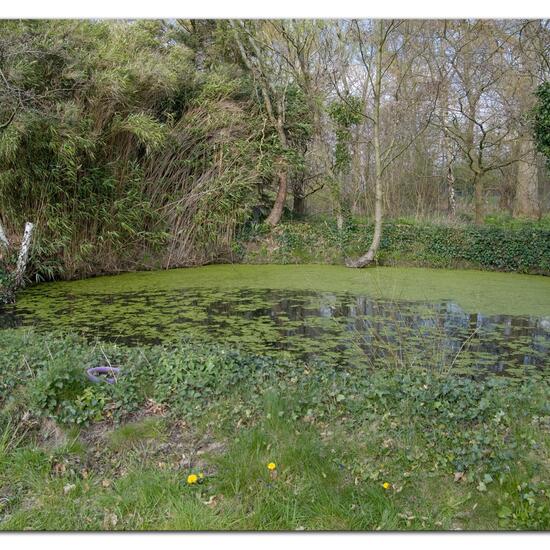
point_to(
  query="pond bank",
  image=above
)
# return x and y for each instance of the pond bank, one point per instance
(393, 450)
(522, 246)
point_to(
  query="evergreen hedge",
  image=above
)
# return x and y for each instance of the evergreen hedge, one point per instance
(523, 248)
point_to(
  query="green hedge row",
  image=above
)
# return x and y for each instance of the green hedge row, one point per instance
(524, 249)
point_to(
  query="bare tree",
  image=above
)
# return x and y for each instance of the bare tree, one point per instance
(476, 54)
(391, 47)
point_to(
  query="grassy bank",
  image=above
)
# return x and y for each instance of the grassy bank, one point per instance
(353, 449)
(502, 244)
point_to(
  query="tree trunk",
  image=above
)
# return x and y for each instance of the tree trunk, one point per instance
(336, 193)
(478, 198)
(275, 117)
(339, 219)
(23, 255)
(367, 258)
(451, 191)
(299, 204)
(447, 156)
(526, 202)
(3, 239)
(277, 211)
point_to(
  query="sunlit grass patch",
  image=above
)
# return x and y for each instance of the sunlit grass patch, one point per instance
(134, 433)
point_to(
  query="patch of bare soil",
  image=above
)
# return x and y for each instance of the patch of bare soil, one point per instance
(179, 448)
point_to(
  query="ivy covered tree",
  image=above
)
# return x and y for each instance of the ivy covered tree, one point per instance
(542, 119)
(344, 113)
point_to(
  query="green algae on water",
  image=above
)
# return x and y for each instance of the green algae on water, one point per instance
(475, 291)
(328, 313)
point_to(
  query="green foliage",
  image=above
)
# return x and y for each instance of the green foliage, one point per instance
(298, 119)
(62, 391)
(191, 375)
(73, 158)
(49, 377)
(519, 246)
(121, 143)
(345, 114)
(336, 435)
(148, 131)
(455, 408)
(524, 505)
(541, 116)
(6, 284)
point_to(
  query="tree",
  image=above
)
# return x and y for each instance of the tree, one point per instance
(266, 71)
(345, 114)
(529, 68)
(475, 53)
(392, 46)
(542, 119)
(307, 57)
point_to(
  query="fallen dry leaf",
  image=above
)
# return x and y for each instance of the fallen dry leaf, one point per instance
(68, 488)
(459, 476)
(59, 468)
(212, 501)
(155, 408)
(110, 520)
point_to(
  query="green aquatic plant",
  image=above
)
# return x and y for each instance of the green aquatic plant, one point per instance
(451, 320)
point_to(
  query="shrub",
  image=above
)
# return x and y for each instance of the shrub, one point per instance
(62, 391)
(500, 245)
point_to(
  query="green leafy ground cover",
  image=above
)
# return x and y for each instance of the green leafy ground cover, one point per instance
(408, 448)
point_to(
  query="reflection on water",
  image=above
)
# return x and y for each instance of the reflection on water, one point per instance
(335, 327)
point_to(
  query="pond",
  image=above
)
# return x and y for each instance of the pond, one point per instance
(457, 320)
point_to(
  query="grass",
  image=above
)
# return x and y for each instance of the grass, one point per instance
(319, 486)
(404, 449)
(133, 433)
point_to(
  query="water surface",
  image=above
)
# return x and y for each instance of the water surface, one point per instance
(446, 319)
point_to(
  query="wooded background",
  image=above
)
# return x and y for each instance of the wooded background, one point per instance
(136, 144)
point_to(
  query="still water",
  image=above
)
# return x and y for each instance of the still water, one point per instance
(453, 320)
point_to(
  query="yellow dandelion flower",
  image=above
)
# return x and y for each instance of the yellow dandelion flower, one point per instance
(201, 475)
(271, 466)
(386, 485)
(192, 479)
